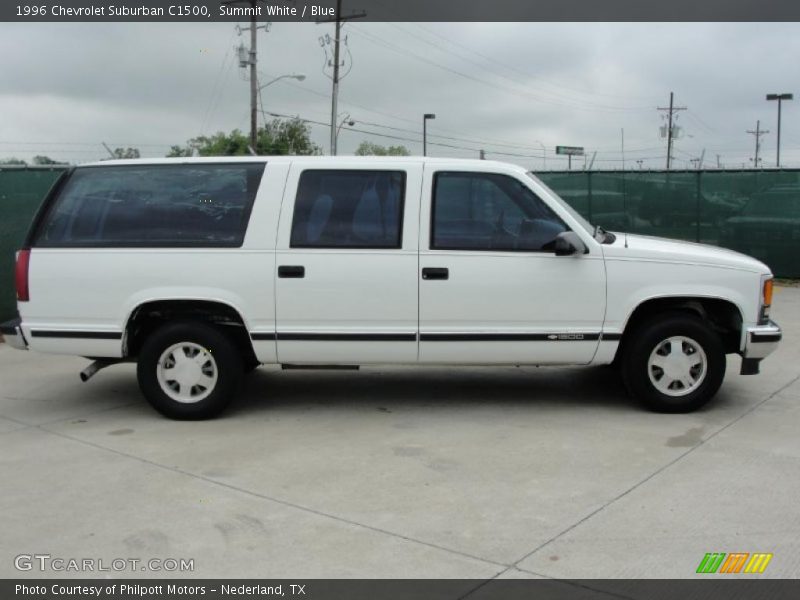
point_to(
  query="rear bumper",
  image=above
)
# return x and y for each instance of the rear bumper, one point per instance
(761, 341)
(12, 334)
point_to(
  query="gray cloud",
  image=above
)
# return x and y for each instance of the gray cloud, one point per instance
(505, 87)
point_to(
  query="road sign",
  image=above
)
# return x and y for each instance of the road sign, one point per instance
(570, 150)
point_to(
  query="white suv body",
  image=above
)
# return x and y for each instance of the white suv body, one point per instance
(320, 261)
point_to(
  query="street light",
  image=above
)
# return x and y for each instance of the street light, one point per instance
(345, 119)
(425, 118)
(544, 153)
(297, 76)
(780, 98)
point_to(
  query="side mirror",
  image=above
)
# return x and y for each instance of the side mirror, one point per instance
(569, 243)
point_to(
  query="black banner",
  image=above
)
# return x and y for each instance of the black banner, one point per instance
(714, 588)
(399, 10)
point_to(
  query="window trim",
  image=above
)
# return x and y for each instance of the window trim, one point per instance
(400, 223)
(431, 244)
(46, 210)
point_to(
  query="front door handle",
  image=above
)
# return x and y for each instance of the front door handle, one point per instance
(291, 272)
(435, 273)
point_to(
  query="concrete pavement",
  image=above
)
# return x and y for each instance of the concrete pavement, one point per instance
(401, 472)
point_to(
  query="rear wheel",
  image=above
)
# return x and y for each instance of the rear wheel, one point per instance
(189, 370)
(674, 363)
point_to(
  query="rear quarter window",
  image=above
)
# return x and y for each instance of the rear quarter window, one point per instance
(188, 205)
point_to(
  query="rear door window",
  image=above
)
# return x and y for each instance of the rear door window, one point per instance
(348, 209)
(187, 205)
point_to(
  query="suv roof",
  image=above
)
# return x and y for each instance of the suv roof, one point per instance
(467, 162)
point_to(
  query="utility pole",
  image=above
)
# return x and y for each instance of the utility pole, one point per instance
(670, 111)
(251, 62)
(338, 19)
(253, 79)
(758, 133)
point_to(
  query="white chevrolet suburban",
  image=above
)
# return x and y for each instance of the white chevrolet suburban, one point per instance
(201, 269)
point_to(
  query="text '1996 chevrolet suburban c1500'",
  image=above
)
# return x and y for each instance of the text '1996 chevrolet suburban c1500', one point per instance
(200, 269)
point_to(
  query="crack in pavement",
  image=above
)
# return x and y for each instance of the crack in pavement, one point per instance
(654, 473)
(275, 500)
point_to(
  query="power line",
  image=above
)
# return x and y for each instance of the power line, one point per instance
(493, 85)
(493, 60)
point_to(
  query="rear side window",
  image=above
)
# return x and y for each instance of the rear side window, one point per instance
(348, 209)
(189, 205)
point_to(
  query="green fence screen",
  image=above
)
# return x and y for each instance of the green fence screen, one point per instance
(21, 193)
(755, 212)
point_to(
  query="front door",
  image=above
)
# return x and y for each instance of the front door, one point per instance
(492, 289)
(347, 264)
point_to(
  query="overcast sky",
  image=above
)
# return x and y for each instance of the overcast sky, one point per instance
(508, 88)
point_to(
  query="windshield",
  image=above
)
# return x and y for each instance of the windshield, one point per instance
(574, 213)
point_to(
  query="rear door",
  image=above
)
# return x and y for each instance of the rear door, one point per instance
(346, 288)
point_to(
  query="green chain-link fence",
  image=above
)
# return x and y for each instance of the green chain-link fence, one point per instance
(21, 192)
(755, 212)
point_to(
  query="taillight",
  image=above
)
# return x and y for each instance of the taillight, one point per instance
(21, 275)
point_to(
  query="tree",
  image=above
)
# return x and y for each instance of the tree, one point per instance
(12, 161)
(278, 137)
(287, 136)
(46, 160)
(126, 153)
(370, 149)
(179, 151)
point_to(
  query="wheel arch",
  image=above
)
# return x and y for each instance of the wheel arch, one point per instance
(722, 314)
(147, 316)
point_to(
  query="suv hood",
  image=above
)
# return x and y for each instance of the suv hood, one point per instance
(662, 249)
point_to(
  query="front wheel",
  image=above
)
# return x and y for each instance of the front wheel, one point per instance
(674, 363)
(189, 370)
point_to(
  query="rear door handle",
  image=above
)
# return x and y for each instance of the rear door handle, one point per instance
(291, 272)
(435, 273)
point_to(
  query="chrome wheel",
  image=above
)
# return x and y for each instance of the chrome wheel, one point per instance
(677, 366)
(187, 372)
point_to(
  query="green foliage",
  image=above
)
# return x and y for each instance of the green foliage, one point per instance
(126, 153)
(46, 160)
(12, 161)
(370, 149)
(278, 137)
(179, 151)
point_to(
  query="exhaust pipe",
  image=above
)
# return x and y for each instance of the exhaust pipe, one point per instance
(93, 368)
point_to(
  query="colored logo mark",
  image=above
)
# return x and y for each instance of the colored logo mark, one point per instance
(735, 562)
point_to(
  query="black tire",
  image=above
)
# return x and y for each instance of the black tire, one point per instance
(225, 362)
(645, 340)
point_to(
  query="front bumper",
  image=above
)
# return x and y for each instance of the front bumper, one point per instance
(761, 341)
(12, 334)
